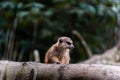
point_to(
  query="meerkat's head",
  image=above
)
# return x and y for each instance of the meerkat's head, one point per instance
(65, 43)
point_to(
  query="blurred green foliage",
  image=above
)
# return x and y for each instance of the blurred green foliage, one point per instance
(26, 25)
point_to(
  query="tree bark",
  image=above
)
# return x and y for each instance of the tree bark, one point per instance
(117, 28)
(109, 57)
(37, 71)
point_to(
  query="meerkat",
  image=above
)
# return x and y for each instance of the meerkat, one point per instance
(60, 52)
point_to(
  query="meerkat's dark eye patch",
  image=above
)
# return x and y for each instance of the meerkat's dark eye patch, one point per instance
(69, 43)
(60, 41)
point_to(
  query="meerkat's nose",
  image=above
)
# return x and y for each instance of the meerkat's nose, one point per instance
(72, 46)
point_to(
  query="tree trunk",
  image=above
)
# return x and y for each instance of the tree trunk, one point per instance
(117, 28)
(36, 71)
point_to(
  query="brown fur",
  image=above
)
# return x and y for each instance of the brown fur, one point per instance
(59, 52)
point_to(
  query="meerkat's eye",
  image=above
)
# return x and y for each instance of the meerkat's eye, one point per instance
(69, 43)
(60, 41)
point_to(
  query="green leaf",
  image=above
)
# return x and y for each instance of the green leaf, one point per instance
(101, 9)
(35, 10)
(20, 5)
(91, 9)
(83, 5)
(49, 13)
(87, 8)
(7, 4)
(110, 13)
(34, 4)
(22, 14)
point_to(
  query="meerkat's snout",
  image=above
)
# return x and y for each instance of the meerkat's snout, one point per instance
(71, 46)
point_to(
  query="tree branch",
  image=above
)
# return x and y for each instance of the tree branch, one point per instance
(86, 47)
(109, 57)
(36, 71)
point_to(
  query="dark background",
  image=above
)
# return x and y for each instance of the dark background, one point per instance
(26, 25)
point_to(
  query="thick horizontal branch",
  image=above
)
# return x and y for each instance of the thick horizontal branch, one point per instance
(37, 71)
